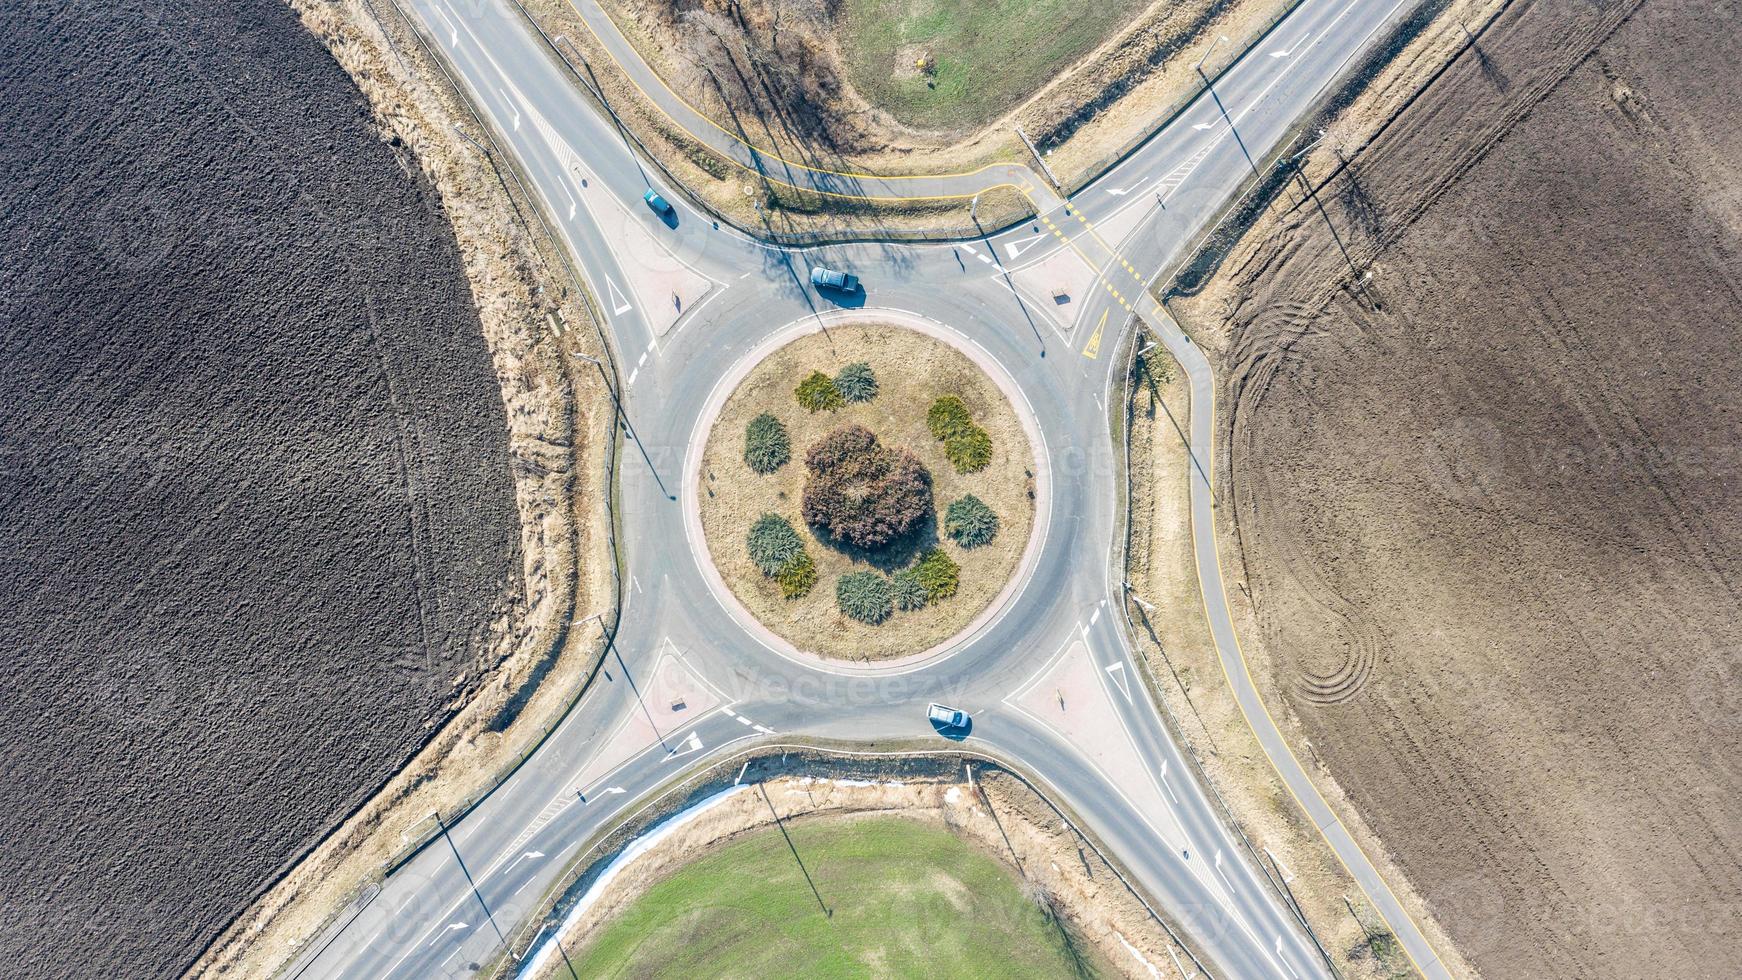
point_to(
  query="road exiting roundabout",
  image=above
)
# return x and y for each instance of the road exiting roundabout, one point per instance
(967, 500)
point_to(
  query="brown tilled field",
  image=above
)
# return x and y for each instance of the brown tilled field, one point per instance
(1488, 505)
(258, 510)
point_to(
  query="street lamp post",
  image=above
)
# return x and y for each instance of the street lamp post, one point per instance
(1199, 67)
(607, 379)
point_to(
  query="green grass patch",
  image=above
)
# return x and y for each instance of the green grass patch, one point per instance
(988, 55)
(906, 900)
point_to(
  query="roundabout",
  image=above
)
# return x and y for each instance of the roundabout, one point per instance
(915, 362)
(699, 668)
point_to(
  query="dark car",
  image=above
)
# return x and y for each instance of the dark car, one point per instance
(824, 277)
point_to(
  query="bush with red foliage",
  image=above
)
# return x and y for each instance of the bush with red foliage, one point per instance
(861, 493)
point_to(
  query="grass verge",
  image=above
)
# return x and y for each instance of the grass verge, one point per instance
(983, 58)
(881, 895)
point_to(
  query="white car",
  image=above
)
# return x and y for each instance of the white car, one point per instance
(945, 717)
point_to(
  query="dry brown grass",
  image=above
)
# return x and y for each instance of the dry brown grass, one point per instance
(912, 370)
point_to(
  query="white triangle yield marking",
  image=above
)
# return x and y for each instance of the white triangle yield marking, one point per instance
(1118, 672)
(620, 305)
(1016, 248)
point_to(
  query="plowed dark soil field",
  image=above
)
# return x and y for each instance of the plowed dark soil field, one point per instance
(1489, 505)
(256, 513)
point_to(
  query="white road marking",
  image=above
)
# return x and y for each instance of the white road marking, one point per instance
(619, 304)
(975, 253)
(572, 204)
(1285, 52)
(1165, 784)
(453, 32)
(1119, 679)
(529, 854)
(512, 105)
(1096, 616)
(691, 744)
(1017, 248)
(632, 375)
(1285, 962)
(1223, 874)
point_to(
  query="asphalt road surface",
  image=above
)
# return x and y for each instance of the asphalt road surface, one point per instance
(454, 904)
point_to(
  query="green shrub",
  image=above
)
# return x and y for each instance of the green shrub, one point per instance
(865, 596)
(970, 451)
(947, 416)
(907, 590)
(773, 543)
(970, 523)
(797, 576)
(939, 574)
(818, 393)
(966, 444)
(856, 382)
(766, 445)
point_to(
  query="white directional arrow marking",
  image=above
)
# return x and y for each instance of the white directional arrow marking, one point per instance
(1118, 672)
(1224, 874)
(1291, 969)
(511, 105)
(523, 857)
(453, 32)
(612, 789)
(1165, 784)
(1285, 52)
(619, 304)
